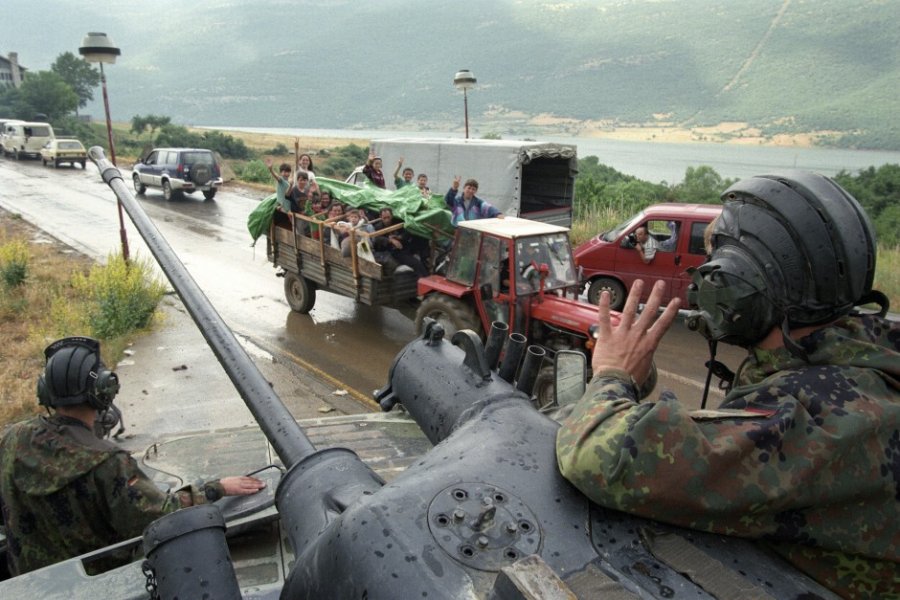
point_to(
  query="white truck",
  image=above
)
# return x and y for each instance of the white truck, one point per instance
(532, 180)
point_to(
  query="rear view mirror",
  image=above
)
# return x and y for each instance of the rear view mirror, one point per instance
(570, 372)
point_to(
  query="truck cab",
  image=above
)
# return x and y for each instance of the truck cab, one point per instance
(610, 261)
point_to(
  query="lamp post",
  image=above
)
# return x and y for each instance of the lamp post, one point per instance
(98, 48)
(464, 80)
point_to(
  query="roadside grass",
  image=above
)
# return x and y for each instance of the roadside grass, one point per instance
(62, 293)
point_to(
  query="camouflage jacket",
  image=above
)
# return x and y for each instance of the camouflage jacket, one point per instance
(805, 457)
(65, 492)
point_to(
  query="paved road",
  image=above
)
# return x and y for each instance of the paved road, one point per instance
(341, 342)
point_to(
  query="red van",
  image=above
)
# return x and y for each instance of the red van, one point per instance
(610, 261)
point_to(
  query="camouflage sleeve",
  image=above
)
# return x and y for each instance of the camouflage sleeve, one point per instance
(723, 471)
(133, 500)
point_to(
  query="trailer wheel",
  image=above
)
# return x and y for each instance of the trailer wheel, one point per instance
(616, 292)
(300, 293)
(451, 313)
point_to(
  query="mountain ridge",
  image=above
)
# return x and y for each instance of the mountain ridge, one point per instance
(782, 66)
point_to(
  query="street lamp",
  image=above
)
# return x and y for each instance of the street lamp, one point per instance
(98, 48)
(464, 80)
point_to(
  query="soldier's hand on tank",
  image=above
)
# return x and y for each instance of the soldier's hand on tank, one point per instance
(241, 486)
(629, 346)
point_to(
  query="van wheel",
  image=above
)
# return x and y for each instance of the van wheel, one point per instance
(139, 188)
(451, 313)
(300, 292)
(616, 292)
(168, 193)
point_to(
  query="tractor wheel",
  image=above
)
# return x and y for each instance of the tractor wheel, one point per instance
(300, 292)
(616, 292)
(544, 394)
(139, 188)
(451, 313)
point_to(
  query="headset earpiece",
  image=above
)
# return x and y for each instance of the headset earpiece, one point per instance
(105, 388)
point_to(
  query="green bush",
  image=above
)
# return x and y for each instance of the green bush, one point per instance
(123, 296)
(14, 258)
(255, 171)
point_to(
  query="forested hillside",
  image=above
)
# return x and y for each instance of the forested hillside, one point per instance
(782, 65)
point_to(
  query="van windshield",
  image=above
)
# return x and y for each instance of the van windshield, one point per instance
(613, 234)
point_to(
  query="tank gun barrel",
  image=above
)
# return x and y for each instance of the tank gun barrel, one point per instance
(287, 438)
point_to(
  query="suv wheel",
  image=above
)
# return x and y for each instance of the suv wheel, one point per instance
(139, 187)
(209, 194)
(168, 193)
(616, 292)
(201, 174)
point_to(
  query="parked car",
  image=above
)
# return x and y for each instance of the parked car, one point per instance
(64, 150)
(26, 138)
(610, 262)
(178, 171)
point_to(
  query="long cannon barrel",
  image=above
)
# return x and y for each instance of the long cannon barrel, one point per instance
(287, 438)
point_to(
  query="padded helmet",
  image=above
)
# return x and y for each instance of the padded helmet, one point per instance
(75, 374)
(792, 248)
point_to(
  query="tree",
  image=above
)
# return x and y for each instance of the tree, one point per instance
(46, 92)
(140, 124)
(702, 185)
(80, 76)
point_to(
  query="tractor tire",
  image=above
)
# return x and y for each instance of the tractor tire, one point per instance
(300, 292)
(451, 313)
(543, 396)
(139, 188)
(615, 288)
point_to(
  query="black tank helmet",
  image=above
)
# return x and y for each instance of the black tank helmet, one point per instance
(792, 248)
(75, 374)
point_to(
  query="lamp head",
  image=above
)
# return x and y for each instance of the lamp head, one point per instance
(98, 48)
(464, 80)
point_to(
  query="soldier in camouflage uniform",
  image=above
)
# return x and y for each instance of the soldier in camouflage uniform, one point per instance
(804, 453)
(64, 491)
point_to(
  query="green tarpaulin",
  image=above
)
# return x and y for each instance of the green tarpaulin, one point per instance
(425, 217)
(261, 217)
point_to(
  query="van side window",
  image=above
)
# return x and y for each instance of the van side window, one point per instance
(696, 245)
(664, 232)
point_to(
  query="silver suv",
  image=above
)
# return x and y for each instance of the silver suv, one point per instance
(177, 171)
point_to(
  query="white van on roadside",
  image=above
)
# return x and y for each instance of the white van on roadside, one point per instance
(3, 123)
(26, 138)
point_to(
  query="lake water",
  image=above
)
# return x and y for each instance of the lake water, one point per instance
(657, 161)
